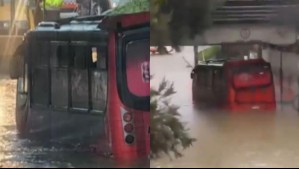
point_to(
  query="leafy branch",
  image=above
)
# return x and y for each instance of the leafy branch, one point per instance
(168, 133)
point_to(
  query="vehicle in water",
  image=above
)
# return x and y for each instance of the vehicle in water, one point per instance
(237, 85)
(87, 81)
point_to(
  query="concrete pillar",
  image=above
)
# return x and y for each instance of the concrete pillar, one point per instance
(266, 54)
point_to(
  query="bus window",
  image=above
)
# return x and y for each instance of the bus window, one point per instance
(210, 78)
(59, 54)
(99, 78)
(40, 73)
(40, 91)
(40, 54)
(137, 64)
(79, 77)
(218, 80)
(134, 71)
(250, 81)
(59, 75)
(203, 77)
(80, 57)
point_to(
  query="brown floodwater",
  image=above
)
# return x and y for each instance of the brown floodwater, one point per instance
(17, 152)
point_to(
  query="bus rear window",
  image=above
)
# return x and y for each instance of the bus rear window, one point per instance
(252, 76)
(137, 68)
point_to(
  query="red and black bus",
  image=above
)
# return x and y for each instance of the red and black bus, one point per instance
(237, 85)
(88, 81)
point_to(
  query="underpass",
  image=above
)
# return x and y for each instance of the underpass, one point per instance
(226, 139)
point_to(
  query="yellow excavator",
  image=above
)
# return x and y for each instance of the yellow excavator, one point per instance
(19, 16)
(16, 18)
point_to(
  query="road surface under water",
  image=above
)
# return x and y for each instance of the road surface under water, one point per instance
(225, 139)
(16, 152)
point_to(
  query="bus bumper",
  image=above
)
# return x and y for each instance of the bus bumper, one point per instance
(270, 107)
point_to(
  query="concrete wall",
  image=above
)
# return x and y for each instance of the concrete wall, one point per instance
(290, 68)
(267, 33)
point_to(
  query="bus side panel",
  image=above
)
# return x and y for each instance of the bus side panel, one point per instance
(141, 126)
(82, 129)
(120, 149)
(112, 103)
(114, 121)
(38, 123)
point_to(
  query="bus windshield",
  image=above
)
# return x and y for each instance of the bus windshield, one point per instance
(135, 76)
(137, 64)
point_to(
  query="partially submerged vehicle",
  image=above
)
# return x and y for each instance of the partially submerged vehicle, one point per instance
(238, 85)
(87, 81)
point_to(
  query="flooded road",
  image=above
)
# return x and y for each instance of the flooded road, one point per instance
(225, 139)
(16, 152)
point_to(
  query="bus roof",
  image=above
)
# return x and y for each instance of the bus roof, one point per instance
(231, 62)
(86, 27)
(126, 20)
(74, 31)
(219, 63)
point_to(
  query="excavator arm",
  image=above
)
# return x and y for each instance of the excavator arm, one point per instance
(34, 13)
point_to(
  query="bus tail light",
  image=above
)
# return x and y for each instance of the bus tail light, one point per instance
(128, 117)
(130, 139)
(129, 128)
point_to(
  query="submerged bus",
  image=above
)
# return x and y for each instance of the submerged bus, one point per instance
(88, 81)
(237, 85)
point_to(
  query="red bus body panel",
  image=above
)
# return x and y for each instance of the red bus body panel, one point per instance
(126, 20)
(120, 149)
(259, 98)
(249, 89)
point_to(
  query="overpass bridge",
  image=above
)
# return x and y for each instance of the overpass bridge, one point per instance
(266, 21)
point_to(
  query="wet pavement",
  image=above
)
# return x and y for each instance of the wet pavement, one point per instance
(225, 139)
(17, 152)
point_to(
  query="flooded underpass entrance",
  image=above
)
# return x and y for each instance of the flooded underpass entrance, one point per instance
(224, 138)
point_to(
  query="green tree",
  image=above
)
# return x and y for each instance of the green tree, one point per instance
(172, 18)
(168, 133)
(131, 6)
